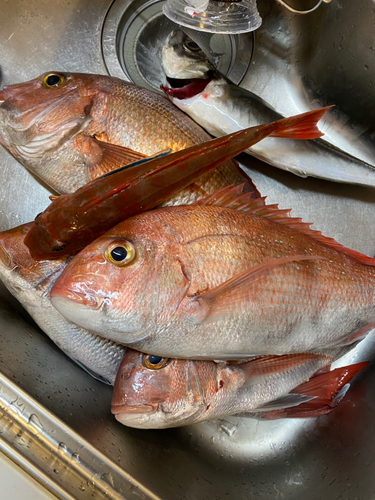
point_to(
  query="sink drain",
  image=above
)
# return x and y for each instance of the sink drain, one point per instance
(133, 35)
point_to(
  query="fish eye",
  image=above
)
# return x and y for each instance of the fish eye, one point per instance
(120, 254)
(59, 248)
(52, 80)
(154, 362)
(191, 46)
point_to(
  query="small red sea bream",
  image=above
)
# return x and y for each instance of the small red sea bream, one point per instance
(74, 220)
(66, 128)
(219, 282)
(151, 392)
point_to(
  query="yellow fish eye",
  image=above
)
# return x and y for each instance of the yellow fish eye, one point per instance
(120, 254)
(154, 362)
(52, 80)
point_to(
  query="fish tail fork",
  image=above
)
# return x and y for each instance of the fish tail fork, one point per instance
(303, 126)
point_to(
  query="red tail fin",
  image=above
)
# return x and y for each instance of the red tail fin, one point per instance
(300, 126)
(324, 388)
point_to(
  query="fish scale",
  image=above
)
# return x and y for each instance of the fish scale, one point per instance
(176, 392)
(87, 105)
(172, 300)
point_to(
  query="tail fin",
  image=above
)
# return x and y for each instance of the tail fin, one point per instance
(301, 126)
(326, 389)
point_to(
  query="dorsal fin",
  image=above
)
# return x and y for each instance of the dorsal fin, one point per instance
(231, 197)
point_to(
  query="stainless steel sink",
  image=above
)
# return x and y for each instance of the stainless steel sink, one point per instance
(54, 419)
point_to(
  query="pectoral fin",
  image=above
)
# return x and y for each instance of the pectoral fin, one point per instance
(103, 157)
(219, 302)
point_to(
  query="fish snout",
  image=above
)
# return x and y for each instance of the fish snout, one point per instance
(137, 416)
(118, 410)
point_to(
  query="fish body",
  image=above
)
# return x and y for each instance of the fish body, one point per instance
(152, 392)
(74, 220)
(30, 282)
(211, 282)
(221, 107)
(58, 126)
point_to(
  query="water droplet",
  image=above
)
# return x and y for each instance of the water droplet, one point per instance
(108, 477)
(34, 420)
(228, 427)
(55, 471)
(82, 488)
(62, 447)
(75, 456)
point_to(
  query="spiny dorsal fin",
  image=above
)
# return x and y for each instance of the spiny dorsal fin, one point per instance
(231, 197)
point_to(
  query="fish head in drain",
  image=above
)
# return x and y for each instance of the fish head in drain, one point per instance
(182, 58)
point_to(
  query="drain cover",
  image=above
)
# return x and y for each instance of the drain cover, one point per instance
(134, 33)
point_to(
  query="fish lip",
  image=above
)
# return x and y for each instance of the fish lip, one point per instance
(133, 409)
(82, 298)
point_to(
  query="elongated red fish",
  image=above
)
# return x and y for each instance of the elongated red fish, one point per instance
(73, 221)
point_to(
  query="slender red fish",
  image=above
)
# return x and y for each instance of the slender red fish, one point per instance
(74, 220)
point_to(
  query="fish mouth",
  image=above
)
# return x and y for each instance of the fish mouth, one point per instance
(141, 416)
(185, 88)
(64, 296)
(132, 409)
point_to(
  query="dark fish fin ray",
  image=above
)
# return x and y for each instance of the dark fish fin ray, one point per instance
(93, 374)
(144, 159)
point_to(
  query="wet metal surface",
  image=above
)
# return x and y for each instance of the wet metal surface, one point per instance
(297, 62)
